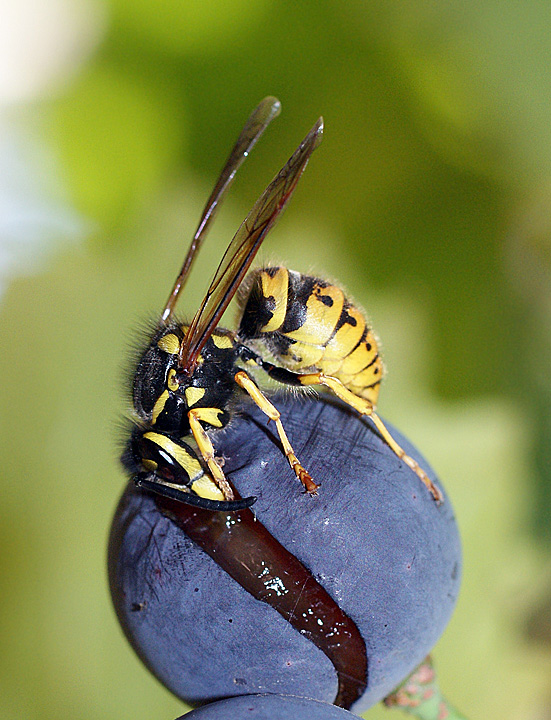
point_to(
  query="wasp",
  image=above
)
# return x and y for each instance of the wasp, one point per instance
(191, 376)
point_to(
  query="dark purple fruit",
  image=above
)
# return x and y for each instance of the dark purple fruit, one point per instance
(374, 539)
(268, 707)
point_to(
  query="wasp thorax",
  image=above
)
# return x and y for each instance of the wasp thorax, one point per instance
(264, 301)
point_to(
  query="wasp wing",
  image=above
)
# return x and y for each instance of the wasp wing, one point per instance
(243, 248)
(258, 121)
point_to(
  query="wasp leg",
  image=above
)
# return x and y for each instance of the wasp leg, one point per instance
(190, 498)
(210, 416)
(245, 382)
(365, 407)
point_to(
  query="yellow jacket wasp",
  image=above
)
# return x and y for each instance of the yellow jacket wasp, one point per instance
(190, 376)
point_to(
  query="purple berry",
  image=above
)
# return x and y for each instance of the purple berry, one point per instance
(374, 538)
(268, 707)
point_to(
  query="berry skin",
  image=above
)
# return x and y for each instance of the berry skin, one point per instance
(268, 707)
(374, 538)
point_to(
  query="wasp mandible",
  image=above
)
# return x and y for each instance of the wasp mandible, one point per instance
(191, 376)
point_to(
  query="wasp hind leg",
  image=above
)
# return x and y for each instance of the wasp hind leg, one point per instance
(261, 401)
(365, 407)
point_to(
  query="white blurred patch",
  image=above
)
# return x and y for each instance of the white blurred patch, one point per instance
(43, 45)
(32, 221)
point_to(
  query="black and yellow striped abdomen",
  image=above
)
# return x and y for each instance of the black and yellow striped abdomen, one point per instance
(308, 325)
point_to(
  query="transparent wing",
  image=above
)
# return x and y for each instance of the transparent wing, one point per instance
(244, 246)
(258, 121)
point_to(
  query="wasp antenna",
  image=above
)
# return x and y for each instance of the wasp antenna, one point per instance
(317, 132)
(258, 121)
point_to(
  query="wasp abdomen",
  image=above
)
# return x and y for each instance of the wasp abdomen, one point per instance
(309, 324)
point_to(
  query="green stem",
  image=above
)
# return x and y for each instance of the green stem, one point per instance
(419, 695)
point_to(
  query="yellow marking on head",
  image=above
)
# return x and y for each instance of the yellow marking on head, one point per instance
(150, 465)
(222, 341)
(347, 336)
(207, 488)
(209, 415)
(169, 343)
(159, 406)
(276, 287)
(188, 462)
(171, 381)
(323, 310)
(193, 395)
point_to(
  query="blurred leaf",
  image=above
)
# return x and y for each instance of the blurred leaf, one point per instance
(187, 27)
(117, 139)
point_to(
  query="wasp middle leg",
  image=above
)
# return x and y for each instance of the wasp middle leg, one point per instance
(361, 405)
(261, 401)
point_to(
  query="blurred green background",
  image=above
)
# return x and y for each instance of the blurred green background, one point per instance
(429, 200)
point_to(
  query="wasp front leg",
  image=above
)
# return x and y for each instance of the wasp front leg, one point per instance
(365, 407)
(261, 401)
(169, 467)
(210, 416)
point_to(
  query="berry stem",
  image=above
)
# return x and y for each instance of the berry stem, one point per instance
(420, 696)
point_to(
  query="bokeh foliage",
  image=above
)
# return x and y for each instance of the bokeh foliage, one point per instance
(429, 199)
